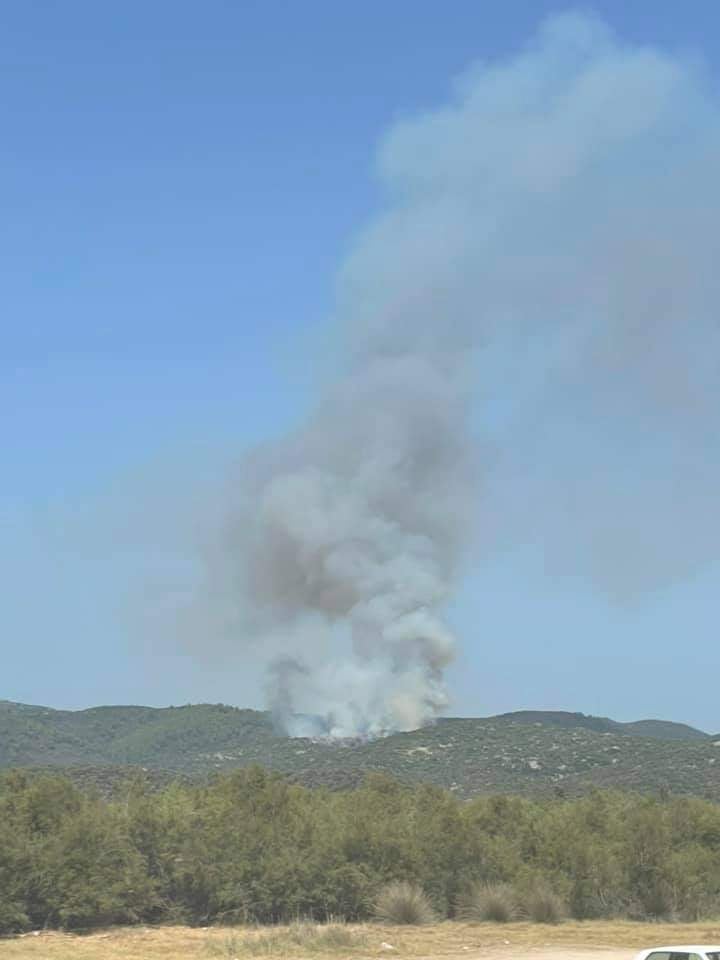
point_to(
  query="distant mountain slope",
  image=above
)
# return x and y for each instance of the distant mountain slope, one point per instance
(658, 729)
(531, 752)
(166, 737)
(664, 730)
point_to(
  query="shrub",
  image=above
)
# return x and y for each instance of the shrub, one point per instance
(403, 902)
(656, 902)
(484, 902)
(543, 905)
(13, 918)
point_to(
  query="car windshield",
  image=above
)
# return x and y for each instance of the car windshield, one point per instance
(713, 956)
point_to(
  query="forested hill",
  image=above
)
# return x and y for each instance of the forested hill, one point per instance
(657, 729)
(530, 752)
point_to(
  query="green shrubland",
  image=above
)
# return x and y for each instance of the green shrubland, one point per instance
(253, 848)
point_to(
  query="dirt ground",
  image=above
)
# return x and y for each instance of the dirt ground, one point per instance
(560, 953)
(449, 941)
(557, 952)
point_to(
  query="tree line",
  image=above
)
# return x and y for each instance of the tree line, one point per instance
(253, 847)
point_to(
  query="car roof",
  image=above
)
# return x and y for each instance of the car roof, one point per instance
(682, 948)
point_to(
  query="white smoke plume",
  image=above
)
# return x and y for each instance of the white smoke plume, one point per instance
(356, 522)
(552, 233)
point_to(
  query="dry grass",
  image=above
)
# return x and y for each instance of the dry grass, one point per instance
(402, 902)
(544, 906)
(489, 903)
(448, 940)
(298, 939)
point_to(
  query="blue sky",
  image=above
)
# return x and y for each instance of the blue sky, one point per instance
(180, 185)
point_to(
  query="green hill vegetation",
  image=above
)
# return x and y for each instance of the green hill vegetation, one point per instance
(657, 729)
(253, 847)
(529, 753)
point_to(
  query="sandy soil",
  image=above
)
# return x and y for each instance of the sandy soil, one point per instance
(553, 953)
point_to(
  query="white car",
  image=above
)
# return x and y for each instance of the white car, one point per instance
(680, 953)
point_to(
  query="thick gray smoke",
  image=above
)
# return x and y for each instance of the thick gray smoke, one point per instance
(345, 541)
(552, 234)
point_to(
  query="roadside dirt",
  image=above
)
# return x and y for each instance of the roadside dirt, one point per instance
(549, 953)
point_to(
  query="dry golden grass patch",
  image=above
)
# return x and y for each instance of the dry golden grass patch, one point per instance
(297, 939)
(359, 941)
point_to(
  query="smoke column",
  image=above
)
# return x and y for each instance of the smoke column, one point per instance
(551, 233)
(345, 539)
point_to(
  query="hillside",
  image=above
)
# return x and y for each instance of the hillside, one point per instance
(657, 729)
(530, 752)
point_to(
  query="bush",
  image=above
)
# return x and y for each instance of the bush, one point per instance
(252, 847)
(543, 905)
(654, 903)
(495, 903)
(13, 918)
(402, 902)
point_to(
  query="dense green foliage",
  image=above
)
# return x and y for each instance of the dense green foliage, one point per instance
(532, 753)
(252, 846)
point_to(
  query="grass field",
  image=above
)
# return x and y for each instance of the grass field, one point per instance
(566, 941)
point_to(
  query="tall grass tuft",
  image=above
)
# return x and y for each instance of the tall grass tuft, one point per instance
(485, 902)
(543, 905)
(403, 903)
